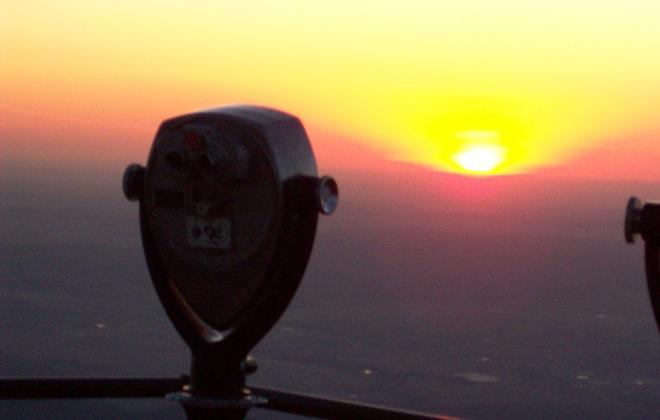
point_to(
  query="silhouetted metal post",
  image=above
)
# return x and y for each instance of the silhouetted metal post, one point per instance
(644, 220)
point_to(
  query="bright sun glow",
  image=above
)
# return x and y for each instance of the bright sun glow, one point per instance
(478, 152)
(480, 159)
(475, 97)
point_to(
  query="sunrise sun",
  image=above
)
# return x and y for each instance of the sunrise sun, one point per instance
(480, 152)
(480, 159)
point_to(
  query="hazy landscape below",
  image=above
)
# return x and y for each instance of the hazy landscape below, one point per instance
(489, 298)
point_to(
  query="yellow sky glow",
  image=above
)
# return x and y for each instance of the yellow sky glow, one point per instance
(406, 78)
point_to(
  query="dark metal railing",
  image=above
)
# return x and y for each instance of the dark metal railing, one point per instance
(287, 402)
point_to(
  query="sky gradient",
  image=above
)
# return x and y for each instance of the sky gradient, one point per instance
(544, 85)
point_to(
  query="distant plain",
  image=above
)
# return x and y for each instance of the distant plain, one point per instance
(509, 297)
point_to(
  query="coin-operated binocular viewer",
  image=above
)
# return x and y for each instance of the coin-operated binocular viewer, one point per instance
(644, 219)
(229, 201)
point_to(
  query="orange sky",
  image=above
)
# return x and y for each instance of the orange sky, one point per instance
(544, 85)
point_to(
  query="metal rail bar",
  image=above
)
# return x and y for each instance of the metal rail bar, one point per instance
(308, 405)
(73, 388)
(287, 402)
